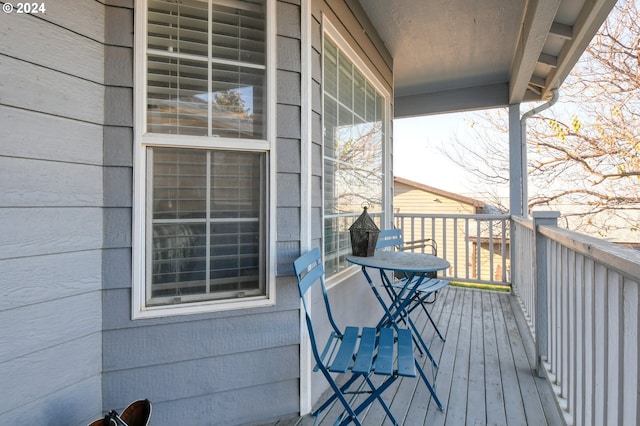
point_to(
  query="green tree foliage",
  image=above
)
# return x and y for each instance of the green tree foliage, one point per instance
(231, 101)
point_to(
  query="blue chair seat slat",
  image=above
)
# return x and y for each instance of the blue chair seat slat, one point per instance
(344, 356)
(384, 360)
(406, 361)
(364, 359)
(329, 348)
(428, 286)
(432, 285)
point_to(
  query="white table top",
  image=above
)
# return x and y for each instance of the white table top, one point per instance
(401, 261)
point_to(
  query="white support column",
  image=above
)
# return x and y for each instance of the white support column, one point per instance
(516, 172)
(547, 218)
(306, 363)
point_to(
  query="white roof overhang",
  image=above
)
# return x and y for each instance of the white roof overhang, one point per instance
(456, 55)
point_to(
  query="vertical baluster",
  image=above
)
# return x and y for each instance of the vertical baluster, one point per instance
(491, 272)
(503, 251)
(467, 240)
(455, 247)
(630, 326)
(578, 370)
(478, 250)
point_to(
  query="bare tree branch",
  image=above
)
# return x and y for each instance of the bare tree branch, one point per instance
(584, 154)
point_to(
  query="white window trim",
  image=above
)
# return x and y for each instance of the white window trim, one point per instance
(329, 30)
(139, 310)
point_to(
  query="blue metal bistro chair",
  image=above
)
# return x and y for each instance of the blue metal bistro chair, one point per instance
(357, 351)
(392, 238)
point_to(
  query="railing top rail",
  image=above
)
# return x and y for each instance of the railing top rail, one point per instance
(527, 223)
(623, 259)
(455, 216)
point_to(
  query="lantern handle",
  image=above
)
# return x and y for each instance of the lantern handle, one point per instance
(365, 204)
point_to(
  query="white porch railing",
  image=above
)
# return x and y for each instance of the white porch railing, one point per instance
(476, 245)
(581, 297)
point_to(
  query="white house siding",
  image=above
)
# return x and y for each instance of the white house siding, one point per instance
(52, 215)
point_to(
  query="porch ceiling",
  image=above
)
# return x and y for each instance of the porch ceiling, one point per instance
(454, 55)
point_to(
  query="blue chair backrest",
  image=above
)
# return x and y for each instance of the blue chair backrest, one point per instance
(309, 272)
(390, 238)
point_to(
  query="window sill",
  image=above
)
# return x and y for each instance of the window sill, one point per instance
(194, 308)
(342, 276)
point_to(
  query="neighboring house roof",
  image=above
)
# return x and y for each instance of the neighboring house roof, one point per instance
(451, 195)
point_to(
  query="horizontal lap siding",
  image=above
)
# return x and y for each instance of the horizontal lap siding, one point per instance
(51, 217)
(231, 367)
(289, 134)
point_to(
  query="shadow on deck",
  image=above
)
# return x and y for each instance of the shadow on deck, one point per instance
(485, 374)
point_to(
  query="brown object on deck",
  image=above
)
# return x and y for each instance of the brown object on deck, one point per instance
(136, 414)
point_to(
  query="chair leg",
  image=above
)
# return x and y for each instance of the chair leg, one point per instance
(420, 302)
(380, 400)
(337, 391)
(351, 414)
(420, 344)
(376, 393)
(428, 384)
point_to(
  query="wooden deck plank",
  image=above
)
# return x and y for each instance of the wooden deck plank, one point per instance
(524, 369)
(421, 401)
(494, 394)
(452, 313)
(485, 373)
(457, 406)
(398, 394)
(476, 402)
(514, 408)
(547, 397)
(408, 389)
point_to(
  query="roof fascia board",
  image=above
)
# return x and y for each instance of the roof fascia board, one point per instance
(593, 14)
(441, 192)
(537, 22)
(454, 100)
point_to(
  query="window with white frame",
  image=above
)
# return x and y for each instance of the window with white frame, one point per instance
(354, 138)
(203, 158)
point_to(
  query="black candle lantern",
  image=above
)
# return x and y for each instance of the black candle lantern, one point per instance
(364, 235)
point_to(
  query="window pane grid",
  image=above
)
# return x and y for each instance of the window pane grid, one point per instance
(206, 68)
(201, 252)
(353, 147)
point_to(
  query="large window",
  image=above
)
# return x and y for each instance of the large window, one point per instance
(203, 158)
(354, 139)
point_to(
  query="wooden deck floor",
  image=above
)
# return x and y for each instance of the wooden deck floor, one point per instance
(485, 374)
